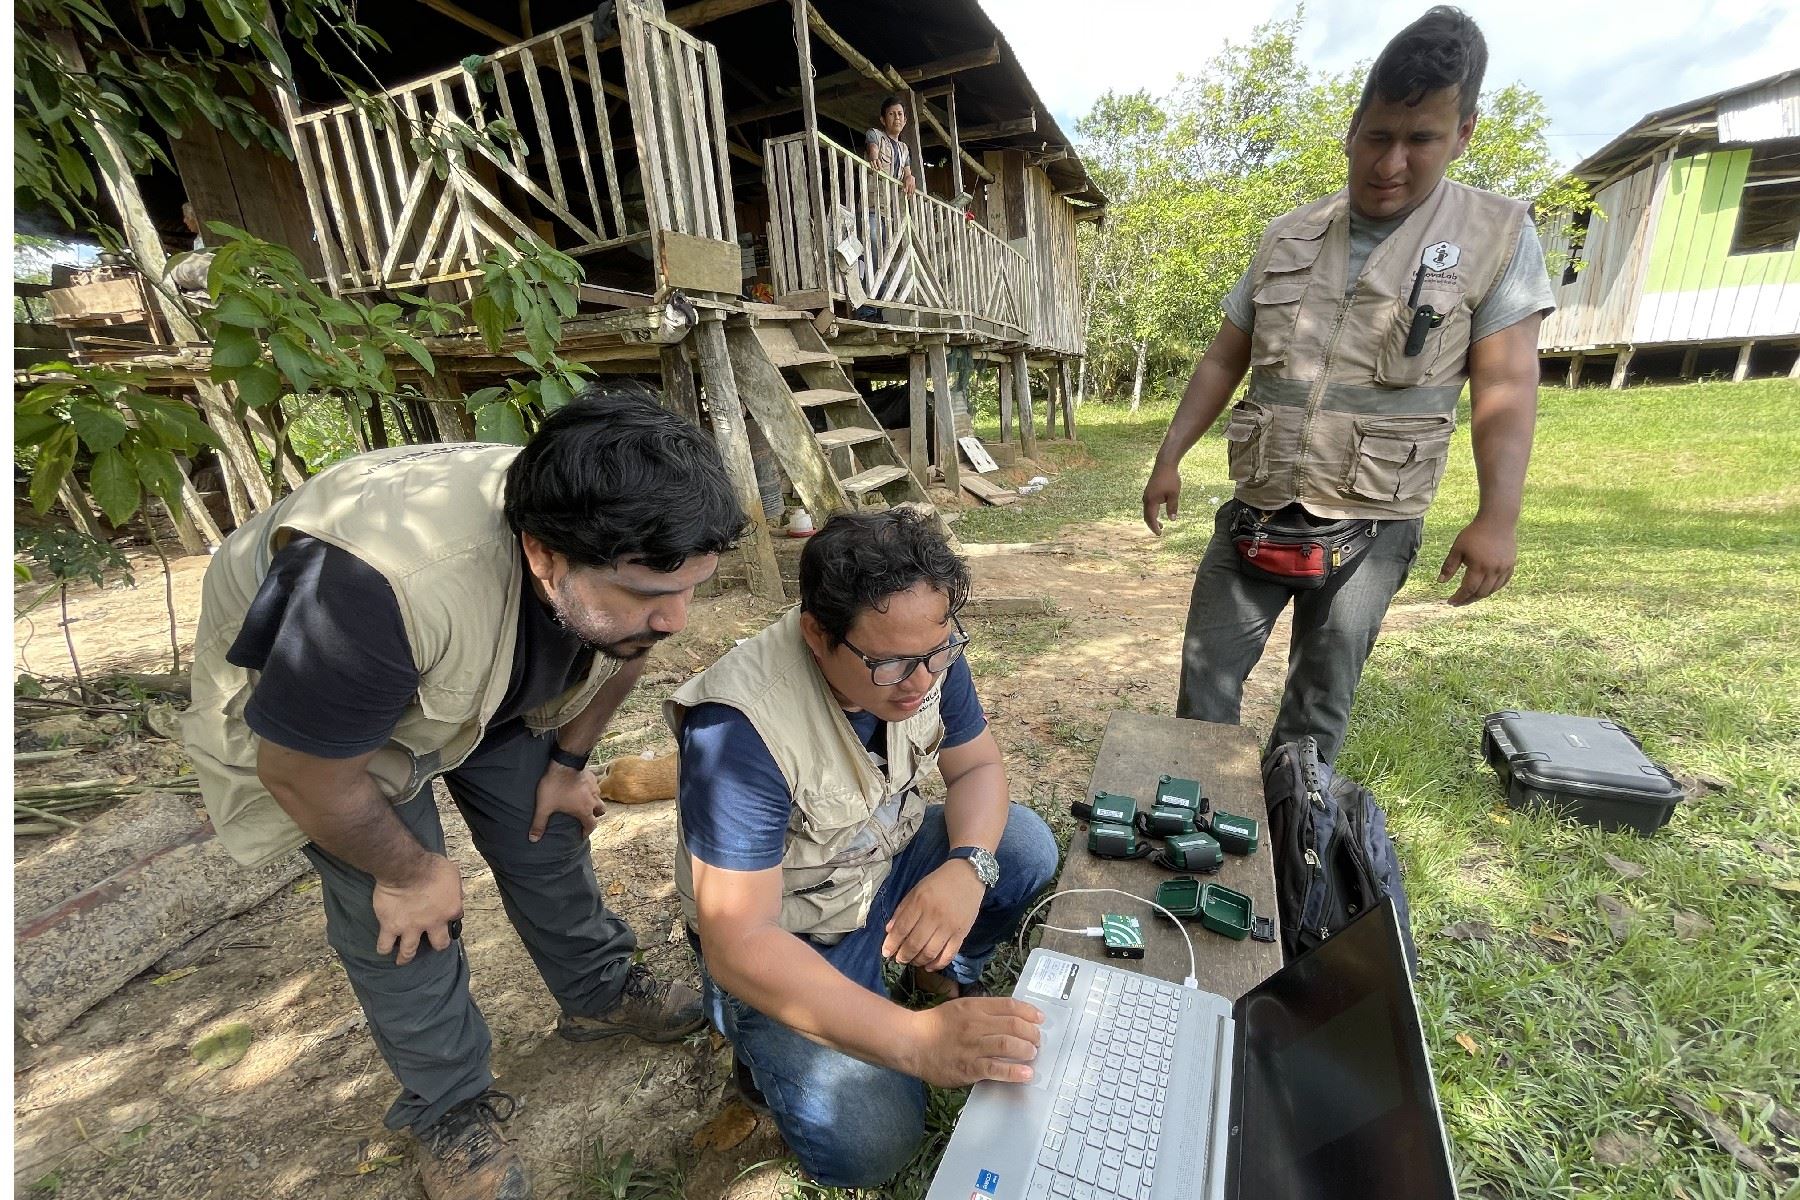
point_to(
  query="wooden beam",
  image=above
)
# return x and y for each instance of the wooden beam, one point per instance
(946, 416)
(1621, 368)
(1068, 398)
(1000, 129)
(1742, 370)
(917, 419)
(680, 396)
(820, 247)
(1021, 371)
(481, 25)
(956, 150)
(726, 412)
(1004, 370)
(691, 15)
(968, 60)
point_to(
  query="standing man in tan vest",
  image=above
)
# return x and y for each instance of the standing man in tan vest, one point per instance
(1360, 318)
(478, 613)
(808, 855)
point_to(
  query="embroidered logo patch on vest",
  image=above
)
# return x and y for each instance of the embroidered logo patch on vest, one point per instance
(1441, 256)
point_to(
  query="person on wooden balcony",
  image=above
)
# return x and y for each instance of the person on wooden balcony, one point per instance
(883, 146)
(808, 856)
(1360, 318)
(474, 613)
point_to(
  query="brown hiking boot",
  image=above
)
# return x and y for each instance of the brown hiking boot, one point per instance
(657, 1010)
(464, 1156)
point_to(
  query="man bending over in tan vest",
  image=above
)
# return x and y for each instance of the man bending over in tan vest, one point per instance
(808, 856)
(1359, 320)
(477, 613)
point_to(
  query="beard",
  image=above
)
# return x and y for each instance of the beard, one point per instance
(598, 635)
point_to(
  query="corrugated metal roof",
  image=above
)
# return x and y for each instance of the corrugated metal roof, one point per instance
(1762, 114)
(1653, 129)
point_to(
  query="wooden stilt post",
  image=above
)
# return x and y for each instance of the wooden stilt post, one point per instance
(81, 513)
(1688, 361)
(1742, 370)
(194, 525)
(1794, 371)
(726, 413)
(1021, 371)
(680, 396)
(1050, 402)
(917, 454)
(1006, 400)
(820, 250)
(1622, 368)
(1068, 398)
(237, 456)
(1575, 364)
(444, 397)
(946, 416)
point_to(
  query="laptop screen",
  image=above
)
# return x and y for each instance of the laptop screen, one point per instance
(1337, 1096)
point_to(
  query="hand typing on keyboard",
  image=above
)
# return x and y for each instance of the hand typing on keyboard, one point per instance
(965, 1041)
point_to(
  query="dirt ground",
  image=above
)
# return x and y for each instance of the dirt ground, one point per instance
(117, 1107)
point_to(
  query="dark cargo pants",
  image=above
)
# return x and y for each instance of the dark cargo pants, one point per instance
(422, 1016)
(1230, 617)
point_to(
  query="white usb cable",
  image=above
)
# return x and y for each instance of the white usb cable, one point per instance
(1192, 979)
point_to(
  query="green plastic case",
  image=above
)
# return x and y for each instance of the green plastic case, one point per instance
(1237, 835)
(1179, 793)
(1195, 852)
(1225, 911)
(1108, 839)
(1180, 896)
(1168, 820)
(1114, 808)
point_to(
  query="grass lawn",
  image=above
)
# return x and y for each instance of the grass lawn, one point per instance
(1579, 1053)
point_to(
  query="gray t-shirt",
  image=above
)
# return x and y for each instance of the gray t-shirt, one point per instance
(1522, 289)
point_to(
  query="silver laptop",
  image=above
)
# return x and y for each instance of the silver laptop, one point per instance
(1314, 1086)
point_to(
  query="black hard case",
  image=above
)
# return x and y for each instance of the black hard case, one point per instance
(1591, 769)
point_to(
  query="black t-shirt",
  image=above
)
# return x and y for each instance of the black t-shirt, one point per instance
(337, 669)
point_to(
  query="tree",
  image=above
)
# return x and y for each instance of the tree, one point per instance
(1196, 175)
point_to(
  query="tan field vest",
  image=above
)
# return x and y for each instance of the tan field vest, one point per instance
(430, 520)
(837, 855)
(1337, 416)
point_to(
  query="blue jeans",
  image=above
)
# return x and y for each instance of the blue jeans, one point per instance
(1231, 615)
(851, 1123)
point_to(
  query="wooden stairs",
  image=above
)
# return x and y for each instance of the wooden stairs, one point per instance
(832, 448)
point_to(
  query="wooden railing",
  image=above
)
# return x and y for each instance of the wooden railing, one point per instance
(883, 246)
(387, 214)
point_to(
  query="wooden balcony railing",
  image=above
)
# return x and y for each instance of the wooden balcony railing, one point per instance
(386, 214)
(884, 247)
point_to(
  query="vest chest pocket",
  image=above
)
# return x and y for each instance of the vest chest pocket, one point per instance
(1245, 437)
(1397, 459)
(1276, 302)
(1446, 343)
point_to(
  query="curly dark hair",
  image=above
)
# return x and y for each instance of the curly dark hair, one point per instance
(860, 560)
(613, 475)
(1442, 49)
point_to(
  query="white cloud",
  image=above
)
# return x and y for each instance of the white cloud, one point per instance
(1599, 66)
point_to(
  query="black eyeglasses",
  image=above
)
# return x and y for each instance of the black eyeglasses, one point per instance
(886, 672)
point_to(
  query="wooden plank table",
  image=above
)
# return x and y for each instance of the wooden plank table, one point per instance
(1137, 751)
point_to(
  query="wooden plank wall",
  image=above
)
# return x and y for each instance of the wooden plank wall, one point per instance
(1695, 288)
(383, 215)
(1600, 307)
(1024, 209)
(252, 188)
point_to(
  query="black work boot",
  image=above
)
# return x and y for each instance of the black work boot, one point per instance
(657, 1010)
(464, 1156)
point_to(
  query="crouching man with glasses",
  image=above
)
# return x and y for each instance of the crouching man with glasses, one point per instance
(808, 856)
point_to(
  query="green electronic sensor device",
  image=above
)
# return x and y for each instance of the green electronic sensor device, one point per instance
(1124, 936)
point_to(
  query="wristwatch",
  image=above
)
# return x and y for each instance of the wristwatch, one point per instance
(987, 867)
(568, 758)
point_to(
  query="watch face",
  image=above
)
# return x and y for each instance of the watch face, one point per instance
(987, 868)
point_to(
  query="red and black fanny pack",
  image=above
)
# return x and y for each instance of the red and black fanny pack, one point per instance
(1294, 550)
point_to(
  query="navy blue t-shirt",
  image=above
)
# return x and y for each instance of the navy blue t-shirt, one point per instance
(735, 803)
(337, 668)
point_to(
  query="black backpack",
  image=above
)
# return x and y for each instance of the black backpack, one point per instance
(1333, 856)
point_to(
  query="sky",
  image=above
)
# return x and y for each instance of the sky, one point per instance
(1599, 64)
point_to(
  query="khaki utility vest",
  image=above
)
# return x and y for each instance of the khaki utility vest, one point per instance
(1337, 416)
(837, 854)
(430, 519)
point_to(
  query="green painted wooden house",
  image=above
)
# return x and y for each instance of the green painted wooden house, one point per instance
(1692, 262)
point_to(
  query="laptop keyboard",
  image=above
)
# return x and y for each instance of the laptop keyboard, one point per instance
(1107, 1116)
